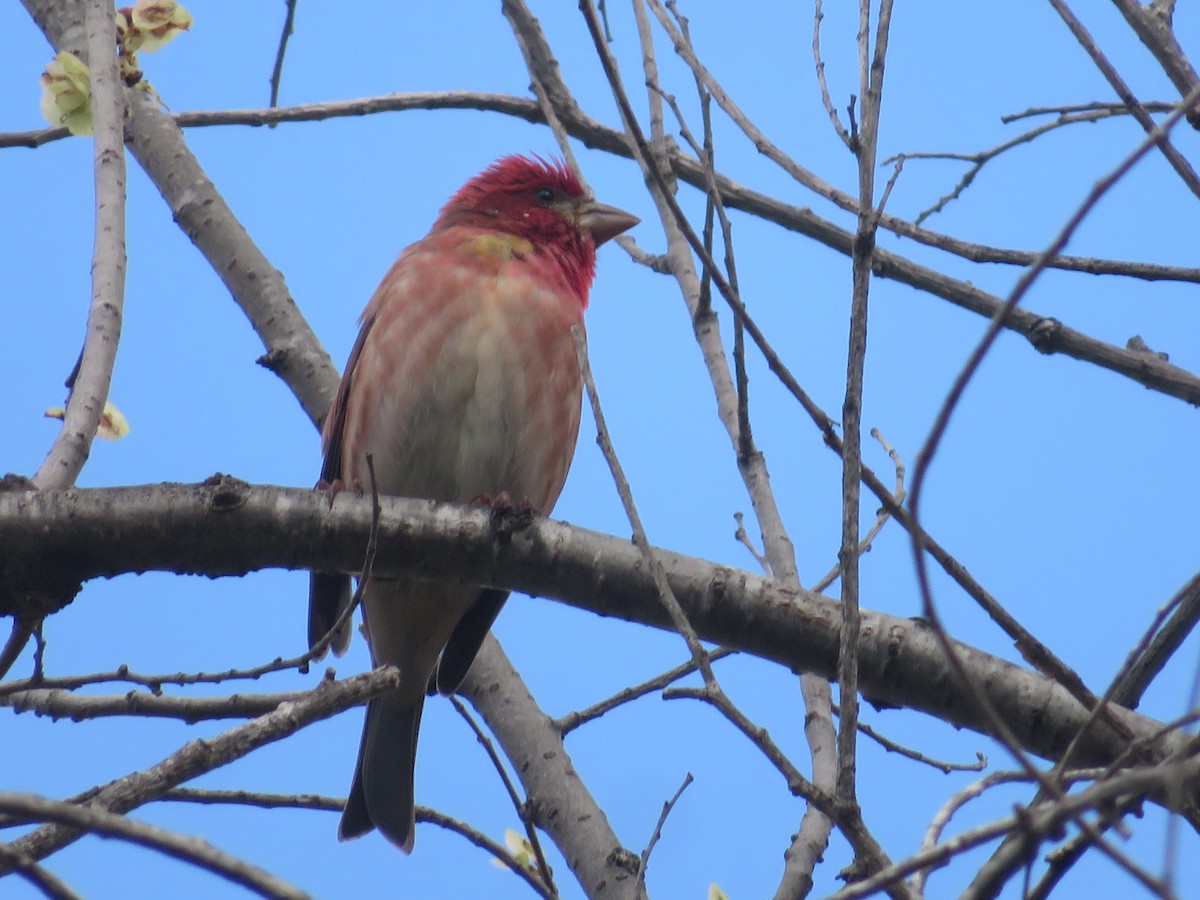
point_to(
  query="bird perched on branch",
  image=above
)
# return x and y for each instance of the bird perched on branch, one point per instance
(463, 384)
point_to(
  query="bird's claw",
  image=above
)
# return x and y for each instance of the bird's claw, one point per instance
(506, 517)
(330, 488)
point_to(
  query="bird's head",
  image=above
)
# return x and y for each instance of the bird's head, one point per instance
(542, 202)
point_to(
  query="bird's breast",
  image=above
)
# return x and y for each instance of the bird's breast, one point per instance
(467, 383)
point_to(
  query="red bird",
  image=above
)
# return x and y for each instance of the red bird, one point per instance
(463, 384)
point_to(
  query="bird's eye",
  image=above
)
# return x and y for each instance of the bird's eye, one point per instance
(545, 195)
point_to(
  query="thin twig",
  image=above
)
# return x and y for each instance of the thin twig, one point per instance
(41, 878)
(871, 72)
(191, 850)
(1176, 159)
(277, 70)
(1069, 116)
(548, 95)
(959, 799)
(1068, 109)
(740, 535)
(881, 518)
(1126, 689)
(797, 784)
(1147, 660)
(335, 804)
(547, 878)
(59, 704)
(572, 720)
(154, 683)
(1043, 821)
(736, 196)
(916, 756)
(199, 757)
(665, 594)
(992, 878)
(662, 820)
(802, 175)
(838, 127)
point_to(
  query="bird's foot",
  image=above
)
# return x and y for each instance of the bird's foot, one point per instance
(330, 488)
(505, 516)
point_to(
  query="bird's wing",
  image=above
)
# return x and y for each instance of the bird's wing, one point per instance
(329, 592)
(467, 638)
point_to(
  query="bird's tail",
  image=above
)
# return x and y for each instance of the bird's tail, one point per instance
(382, 793)
(328, 595)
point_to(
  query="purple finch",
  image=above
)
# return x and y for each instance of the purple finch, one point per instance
(463, 383)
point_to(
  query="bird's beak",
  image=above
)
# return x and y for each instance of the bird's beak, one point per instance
(604, 222)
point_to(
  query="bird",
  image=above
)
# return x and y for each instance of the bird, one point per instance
(463, 385)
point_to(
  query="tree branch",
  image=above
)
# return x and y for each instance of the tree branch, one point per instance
(200, 756)
(192, 850)
(231, 528)
(88, 387)
(1151, 22)
(557, 798)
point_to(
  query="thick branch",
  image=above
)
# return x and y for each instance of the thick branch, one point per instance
(229, 528)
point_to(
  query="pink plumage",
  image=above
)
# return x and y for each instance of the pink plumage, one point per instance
(463, 383)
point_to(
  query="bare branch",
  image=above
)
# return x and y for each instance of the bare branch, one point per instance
(88, 384)
(838, 127)
(277, 70)
(1126, 688)
(1151, 22)
(1070, 109)
(123, 530)
(797, 784)
(946, 767)
(810, 840)
(881, 518)
(89, 389)
(558, 800)
(662, 586)
(334, 804)
(1042, 821)
(1147, 661)
(960, 798)
(197, 852)
(198, 757)
(1177, 160)
(64, 704)
(546, 884)
(568, 723)
(871, 71)
(1005, 861)
(40, 878)
(1089, 112)
(1046, 334)
(662, 820)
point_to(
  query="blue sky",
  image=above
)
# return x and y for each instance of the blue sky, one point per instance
(1066, 489)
